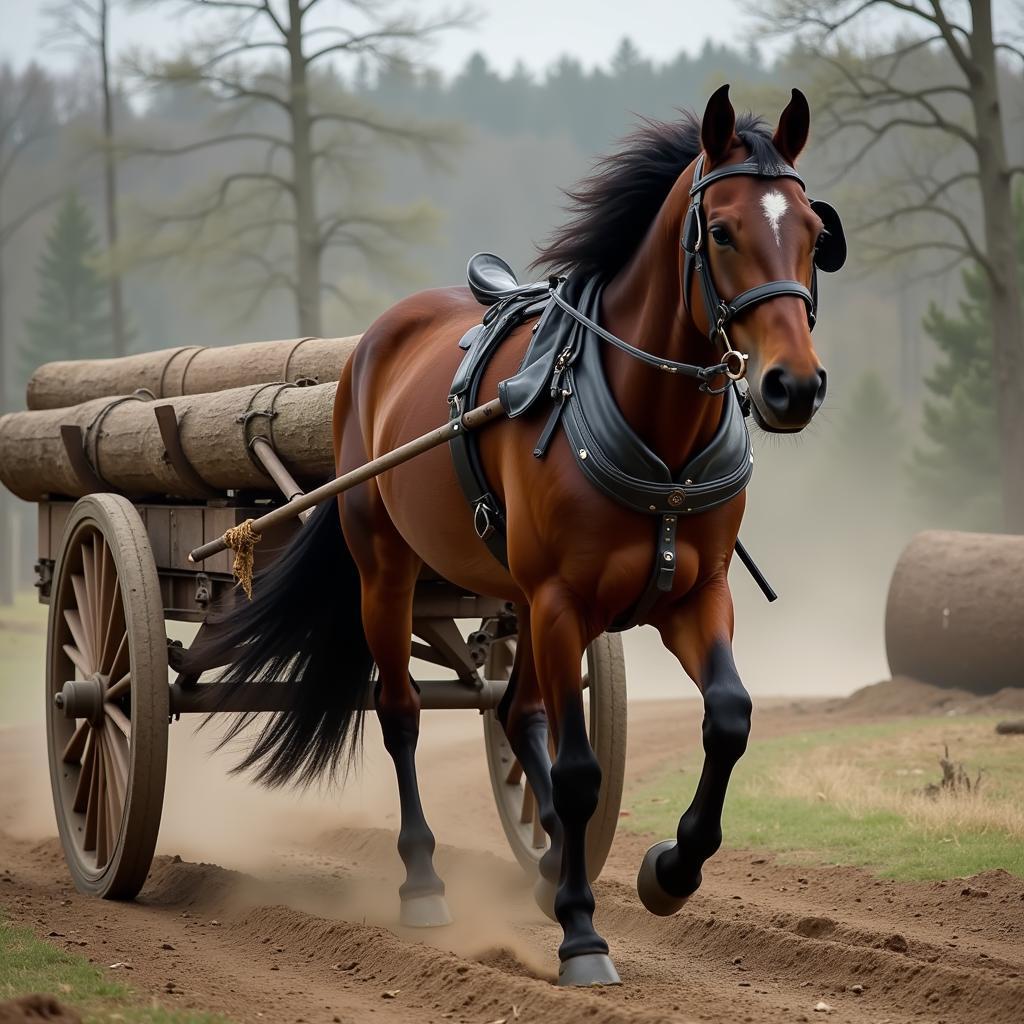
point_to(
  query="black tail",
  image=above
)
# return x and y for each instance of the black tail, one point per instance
(302, 629)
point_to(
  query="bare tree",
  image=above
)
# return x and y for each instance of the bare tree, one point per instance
(85, 24)
(288, 125)
(879, 92)
(26, 120)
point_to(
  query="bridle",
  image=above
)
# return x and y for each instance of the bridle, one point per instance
(829, 256)
(694, 242)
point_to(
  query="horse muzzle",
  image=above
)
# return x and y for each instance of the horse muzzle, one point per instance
(784, 402)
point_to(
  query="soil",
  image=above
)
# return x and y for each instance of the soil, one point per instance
(36, 1008)
(303, 929)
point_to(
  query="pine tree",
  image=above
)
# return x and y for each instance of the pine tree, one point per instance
(72, 318)
(958, 472)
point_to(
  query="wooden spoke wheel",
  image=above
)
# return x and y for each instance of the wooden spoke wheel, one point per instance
(605, 681)
(107, 697)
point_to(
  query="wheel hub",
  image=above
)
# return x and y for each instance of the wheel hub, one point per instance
(82, 698)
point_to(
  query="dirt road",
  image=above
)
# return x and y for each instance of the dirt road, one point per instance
(299, 921)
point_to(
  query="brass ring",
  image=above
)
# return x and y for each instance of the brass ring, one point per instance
(735, 364)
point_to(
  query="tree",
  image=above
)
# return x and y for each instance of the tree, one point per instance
(959, 470)
(85, 24)
(73, 317)
(289, 127)
(27, 119)
(880, 92)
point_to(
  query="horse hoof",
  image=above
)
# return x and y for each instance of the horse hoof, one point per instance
(429, 911)
(544, 894)
(649, 889)
(588, 969)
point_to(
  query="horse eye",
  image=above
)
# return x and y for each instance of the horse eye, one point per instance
(720, 235)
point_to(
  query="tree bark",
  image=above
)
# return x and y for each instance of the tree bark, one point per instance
(307, 237)
(1003, 274)
(120, 340)
(189, 370)
(125, 449)
(954, 611)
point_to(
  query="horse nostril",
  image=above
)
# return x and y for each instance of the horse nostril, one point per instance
(819, 396)
(775, 389)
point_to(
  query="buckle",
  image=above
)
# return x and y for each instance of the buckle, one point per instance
(482, 520)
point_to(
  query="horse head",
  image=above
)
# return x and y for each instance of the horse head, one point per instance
(753, 244)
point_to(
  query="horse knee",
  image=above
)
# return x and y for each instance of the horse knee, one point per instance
(727, 709)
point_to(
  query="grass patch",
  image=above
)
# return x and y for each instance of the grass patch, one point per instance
(29, 965)
(853, 795)
(22, 656)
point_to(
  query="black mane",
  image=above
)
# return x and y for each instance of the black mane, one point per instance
(613, 207)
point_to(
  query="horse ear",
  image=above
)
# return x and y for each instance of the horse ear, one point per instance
(794, 127)
(718, 127)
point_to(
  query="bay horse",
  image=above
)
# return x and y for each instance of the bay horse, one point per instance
(333, 614)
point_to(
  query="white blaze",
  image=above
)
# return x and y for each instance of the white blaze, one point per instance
(774, 205)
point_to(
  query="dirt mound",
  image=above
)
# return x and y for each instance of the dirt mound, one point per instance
(36, 1008)
(905, 696)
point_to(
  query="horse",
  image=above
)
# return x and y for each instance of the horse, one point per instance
(683, 212)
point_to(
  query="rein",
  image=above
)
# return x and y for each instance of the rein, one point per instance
(733, 366)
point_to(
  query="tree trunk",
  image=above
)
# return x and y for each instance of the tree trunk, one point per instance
(1003, 275)
(125, 448)
(189, 370)
(307, 236)
(110, 186)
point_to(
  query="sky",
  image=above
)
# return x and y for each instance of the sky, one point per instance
(534, 31)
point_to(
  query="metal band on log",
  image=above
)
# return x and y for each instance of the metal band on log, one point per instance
(955, 612)
(126, 451)
(189, 370)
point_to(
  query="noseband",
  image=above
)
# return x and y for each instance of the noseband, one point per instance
(829, 256)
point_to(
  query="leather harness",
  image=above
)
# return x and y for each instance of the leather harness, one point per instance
(563, 365)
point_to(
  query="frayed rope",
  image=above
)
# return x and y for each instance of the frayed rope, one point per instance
(242, 539)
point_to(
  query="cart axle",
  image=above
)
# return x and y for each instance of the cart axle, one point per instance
(435, 694)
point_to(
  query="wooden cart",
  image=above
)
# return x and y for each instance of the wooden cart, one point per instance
(113, 570)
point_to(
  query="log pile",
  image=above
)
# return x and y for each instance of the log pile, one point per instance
(123, 445)
(189, 370)
(955, 612)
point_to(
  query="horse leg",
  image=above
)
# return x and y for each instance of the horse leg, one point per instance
(522, 716)
(559, 638)
(699, 634)
(389, 569)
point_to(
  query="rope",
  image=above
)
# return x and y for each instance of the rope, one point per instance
(242, 539)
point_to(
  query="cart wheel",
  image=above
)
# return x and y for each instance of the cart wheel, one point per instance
(605, 679)
(107, 697)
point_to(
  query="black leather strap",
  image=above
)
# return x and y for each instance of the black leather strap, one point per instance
(763, 292)
(488, 514)
(694, 242)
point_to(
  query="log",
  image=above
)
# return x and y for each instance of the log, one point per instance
(189, 370)
(955, 612)
(125, 449)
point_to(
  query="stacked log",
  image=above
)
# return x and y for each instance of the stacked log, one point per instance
(955, 612)
(189, 370)
(124, 447)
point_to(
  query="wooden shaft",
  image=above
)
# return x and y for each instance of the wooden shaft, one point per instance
(472, 420)
(278, 471)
